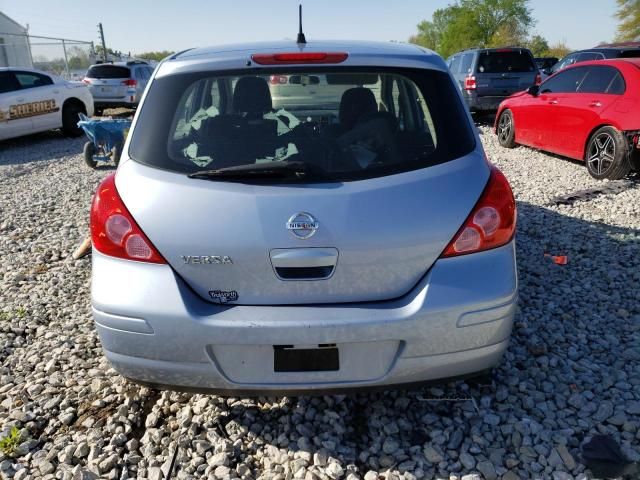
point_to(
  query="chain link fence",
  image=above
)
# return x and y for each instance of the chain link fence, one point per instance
(60, 56)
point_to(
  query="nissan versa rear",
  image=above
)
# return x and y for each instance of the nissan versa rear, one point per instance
(303, 218)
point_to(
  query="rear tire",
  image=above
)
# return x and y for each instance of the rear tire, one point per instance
(506, 130)
(70, 119)
(607, 155)
(88, 152)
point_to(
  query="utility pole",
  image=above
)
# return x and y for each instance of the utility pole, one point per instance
(104, 45)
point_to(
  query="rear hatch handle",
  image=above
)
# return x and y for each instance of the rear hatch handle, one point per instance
(313, 263)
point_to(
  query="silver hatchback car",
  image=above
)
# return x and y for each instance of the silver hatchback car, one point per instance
(356, 237)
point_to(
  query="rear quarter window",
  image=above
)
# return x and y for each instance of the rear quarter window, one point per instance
(350, 124)
(512, 61)
(108, 71)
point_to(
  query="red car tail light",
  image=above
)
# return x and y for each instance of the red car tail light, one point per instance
(114, 232)
(278, 79)
(86, 80)
(298, 57)
(538, 79)
(470, 83)
(491, 224)
(130, 83)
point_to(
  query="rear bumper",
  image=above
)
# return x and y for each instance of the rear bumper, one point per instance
(155, 330)
(484, 104)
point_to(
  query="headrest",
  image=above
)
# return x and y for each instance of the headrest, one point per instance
(252, 95)
(355, 103)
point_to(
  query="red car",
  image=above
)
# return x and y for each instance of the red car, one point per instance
(590, 112)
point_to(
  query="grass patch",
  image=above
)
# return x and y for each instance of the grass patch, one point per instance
(10, 443)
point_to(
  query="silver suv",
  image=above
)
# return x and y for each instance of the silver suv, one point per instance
(354, 237)
(119, 84)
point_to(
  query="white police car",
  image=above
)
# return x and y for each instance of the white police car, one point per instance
(32, 101)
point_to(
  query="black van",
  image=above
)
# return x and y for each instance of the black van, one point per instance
(487, 76)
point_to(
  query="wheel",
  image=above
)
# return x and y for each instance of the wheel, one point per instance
(506, 130)
(607, 155)
(89, 151)
(70, 119)
(115, 154)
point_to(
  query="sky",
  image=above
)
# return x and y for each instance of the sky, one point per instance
(144, 25)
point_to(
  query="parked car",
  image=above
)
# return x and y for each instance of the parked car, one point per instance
(33, 101)
(544, 65)
(586, 112)
(487, 76)
(623, 50)
(119, 84)
(366, 244)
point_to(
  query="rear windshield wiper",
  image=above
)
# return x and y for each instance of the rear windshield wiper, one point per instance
(299, 170)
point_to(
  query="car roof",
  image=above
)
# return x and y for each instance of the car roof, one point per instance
(612, 62)
(20, 69)
(492, 49)
(238, 56)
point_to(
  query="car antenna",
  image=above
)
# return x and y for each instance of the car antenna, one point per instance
(301, 39)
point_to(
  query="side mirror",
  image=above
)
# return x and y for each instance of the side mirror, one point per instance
(547, 71)
(533, 90)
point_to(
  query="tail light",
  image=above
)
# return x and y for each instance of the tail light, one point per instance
(114, 232)
(492, 222)
(130, 82)
(298, 57)
(538, 80)
(470, 83)
(86, 80)
(278, 79)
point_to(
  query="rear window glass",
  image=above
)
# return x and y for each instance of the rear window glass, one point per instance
(630, 53)
(108, 71)
(346, 124)
(517, 61)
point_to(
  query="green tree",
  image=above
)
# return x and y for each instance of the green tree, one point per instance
(538, 46)
(475, 23)
(157, 56)
(559, 50)
(629, 16)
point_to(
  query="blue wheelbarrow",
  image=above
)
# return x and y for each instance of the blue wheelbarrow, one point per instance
(106, 139)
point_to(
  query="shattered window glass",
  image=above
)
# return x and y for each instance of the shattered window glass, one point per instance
(340, 123)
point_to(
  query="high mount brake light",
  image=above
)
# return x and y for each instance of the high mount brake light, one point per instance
(298, 57)
(492, 222)
(114, 232)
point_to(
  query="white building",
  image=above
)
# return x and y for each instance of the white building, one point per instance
(14, 44)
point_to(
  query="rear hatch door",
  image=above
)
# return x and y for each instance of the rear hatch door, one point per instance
(376, 237)
(503, 72)
(108, 81)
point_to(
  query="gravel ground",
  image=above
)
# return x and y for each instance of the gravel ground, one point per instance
(572, 369)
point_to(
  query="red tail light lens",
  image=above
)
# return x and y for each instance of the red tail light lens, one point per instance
(470, 83)
(298, 57)
(492, 222)
(278, 79)
(538, 79)
(130, 83)
(114, 232)
(86, 80)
